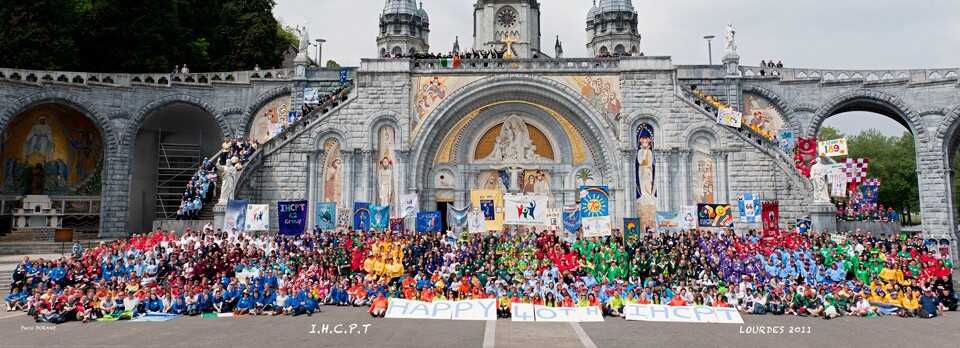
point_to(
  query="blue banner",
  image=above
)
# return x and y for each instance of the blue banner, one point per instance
(292, 217)
(236, 215)
(326, 216)
(571, 219)
(361, 216)
(428, 221)
(379, 217)
(594, 201)
(750, 207)
(631, 229)
(457, 217)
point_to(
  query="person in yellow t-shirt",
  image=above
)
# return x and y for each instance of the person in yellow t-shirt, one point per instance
(910, 303)
(888, 274)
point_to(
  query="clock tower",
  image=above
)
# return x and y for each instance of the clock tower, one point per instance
(496, 22)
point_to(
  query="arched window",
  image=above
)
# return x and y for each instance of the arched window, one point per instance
(383, 52)
(396, 51)
(619, 50)
(604, 50)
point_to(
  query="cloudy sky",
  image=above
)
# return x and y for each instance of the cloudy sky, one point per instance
(860, 34)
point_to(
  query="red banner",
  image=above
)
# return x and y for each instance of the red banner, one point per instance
(771, 218)
(806, 153)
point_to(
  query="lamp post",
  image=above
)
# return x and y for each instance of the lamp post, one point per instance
(709, 39)
(320, 50)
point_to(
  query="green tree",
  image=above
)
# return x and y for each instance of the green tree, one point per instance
(39, 34)
(828, 133)
(332, 64)
(141, 36)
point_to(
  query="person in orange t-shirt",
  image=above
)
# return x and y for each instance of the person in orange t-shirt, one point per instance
(379, 306)
(677, 301)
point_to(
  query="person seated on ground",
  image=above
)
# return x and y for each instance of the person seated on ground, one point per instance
(614, 305)
(280, 301)
(379, 306)
(131, 306)
(891, 303)
(265, 304)
(948, 300)
(929, 305)
(153, 303)
(910, 303)
(775, 303)
(759, 302)
(16, 299)
(503, 306)
(292, 304)
(244, 305)
(205, 302)
(862, 307)
(310, 304)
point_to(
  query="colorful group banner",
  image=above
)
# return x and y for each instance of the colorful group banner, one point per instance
(771, 218)
(476, 223)
(631, 230)
(257, 218)
(344, 217)
(361, 216)
(457, 217)
(804, 225)
(525, 210)
(235, 216)
(292, 217)
(408, 205)
(490, 203)
(838, 180)
(715, 215)
(379, 217)
(833, 148)
(571, 219)
(688, 217)
(869, 192)
(595, 211)
(750, 208)
(788, 141)
(682, 314)
(730, 117)
(326, 219)
(669, 221)
(397, 225)
(429, 221)
(806, 153)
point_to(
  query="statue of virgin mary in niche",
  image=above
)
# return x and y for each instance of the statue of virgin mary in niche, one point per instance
(645, 164)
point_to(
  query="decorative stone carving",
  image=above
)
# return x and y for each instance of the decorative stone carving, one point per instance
(513, 145)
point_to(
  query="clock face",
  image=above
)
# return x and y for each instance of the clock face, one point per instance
(507, 17)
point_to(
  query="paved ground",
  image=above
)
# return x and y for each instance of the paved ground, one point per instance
(17, 330)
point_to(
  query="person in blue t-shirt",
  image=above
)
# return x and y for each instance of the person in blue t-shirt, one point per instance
(244, 305)
(179, 306)
(929, 304)
(205, 302)
(293, 305)
(265, 302)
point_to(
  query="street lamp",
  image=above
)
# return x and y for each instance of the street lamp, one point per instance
(709, 39)
(319, 50)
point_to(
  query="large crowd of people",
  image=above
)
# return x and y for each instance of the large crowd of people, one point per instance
(202, 186)
(264, 274)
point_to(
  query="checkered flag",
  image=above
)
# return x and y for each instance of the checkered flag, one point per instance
(856, 169)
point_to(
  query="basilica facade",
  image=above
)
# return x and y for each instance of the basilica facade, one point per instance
(528, 121)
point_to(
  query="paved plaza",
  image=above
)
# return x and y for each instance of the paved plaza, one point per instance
(17, 330)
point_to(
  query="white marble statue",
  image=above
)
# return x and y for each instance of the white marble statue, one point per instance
(514, 144)
(304, 37)
(730, 39)
(818, 177)
(228, 175)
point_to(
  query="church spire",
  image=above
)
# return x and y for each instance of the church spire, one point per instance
(456, 44)
(558, 48)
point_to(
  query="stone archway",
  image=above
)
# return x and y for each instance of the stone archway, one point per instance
(110, 193)
(168, 138)
(598, 131)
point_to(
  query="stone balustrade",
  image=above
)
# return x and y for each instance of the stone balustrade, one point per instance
(147, 79)
(540, 65)
(913, 76)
